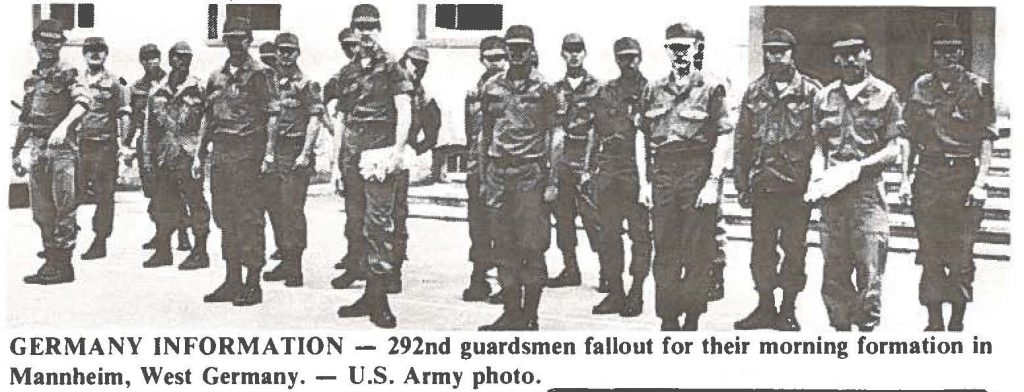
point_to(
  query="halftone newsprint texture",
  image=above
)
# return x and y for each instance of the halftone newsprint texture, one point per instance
(808, 181)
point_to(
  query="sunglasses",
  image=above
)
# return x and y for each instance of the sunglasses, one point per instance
(678, 47)
(496, 57)
(776, 50)
(287, 51)
(848, 51)
(94, 49)
(366, 26)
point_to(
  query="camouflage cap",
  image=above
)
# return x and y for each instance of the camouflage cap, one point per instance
(849, 34)
(519, 34)
(779, 37)
(286, 40)
(180, 47)
(49, 28)
(346, 35)
(148, 51)
(944, 34)
(683, 31)
(267, 48)
(237, 26)
(94, 42)
(418, 52)
(365, 13)
(573, 40)
(492, 44)
(626, 45)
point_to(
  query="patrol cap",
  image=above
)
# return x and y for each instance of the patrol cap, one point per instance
(286, 40)
(94, 43)
(573, 41)
(849, 34)
(519, 34)
(267, 48)
(237, 26)
(148, 51)
(50, 29)
(346, 35)
(492, 45)
(779, 37)
(683, 31)
(180, 47)
(418, 52)
(365, 13)
(627, 45)
(944, 34)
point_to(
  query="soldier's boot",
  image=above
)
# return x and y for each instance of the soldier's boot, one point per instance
(183, 241)
(294, 259)
(393, 281)
(511, 318)
(669, 324)
(97, 250)
(497, 298)
(531, 303)
(786, 320)
(251, 293)
(763, 316)
(198, 258)
(478, 289)
(570, 275)
(691, 322)
(936, 322)
(232, 286)
(162, 255)
(635, 299)
(57, 269)
(360, 308)
(151, 244)
(956, 318)
(280, 272)
(615, 301)
(381, 315)
(277, 255)
(346, 279)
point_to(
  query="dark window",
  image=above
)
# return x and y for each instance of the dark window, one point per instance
(86, 15)
(261, 16)
(468, 16)
(65, 13)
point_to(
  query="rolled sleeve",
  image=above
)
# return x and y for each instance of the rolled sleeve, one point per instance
(895, 126)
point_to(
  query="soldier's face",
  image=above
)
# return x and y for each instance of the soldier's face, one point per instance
(778, 60)
(179, 60)
(237, 44)
(286, 56)
(367, 32)
(494, 60)
(852, 61)
(418, 68)
(48, 48)
(948, 58)
(682, 53)
(628, 62)
(150, 64)
(350, 49)
(519, 53)
(574, 56)
(95, 56)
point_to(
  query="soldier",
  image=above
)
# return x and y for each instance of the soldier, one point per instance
(268, 54)
(175, 111)
(426, 119)
(574, 92)
(353, 225)
(616, 109)
(239, 111)
(951, 122)
(494, 58)
(518, 146)
(107, 118)
(685, 129)
(55, 99)
(375, 97)
(774, 142)
(858, 130)
(299, 107)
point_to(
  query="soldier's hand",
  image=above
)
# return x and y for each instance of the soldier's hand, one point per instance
(550, 193)
(708, 194)
(906, 196)
(301, 162)
(646, 195)
(744, 199)
(268, 160)
(57, 138)
(976, 196)
(16, 165)
(197, 168)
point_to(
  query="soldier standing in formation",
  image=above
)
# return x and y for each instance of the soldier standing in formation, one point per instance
(519, 147)
(575, 197)
(859, 130)
(240, 110)
(298, 107)
(951, 124)
(55, 99)
(107, 118)
(616, 109)
(494, 58)
(686, 129)
(375, 97)
(774, 143)
(356, 250)
(175, 111)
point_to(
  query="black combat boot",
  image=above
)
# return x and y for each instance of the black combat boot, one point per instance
(635, 299)
(615, 301)
(393, 281)
(97, 250)
(56, 270)
(294, 259)
(162, 255)
(691, 322)
(277, 255)
(531, 303)
(283, 269)
(511, 316)
(763, 316)
(478, 289)
(251, 293)
(669, 324)
(346, 279)
(570, 275)
(360, 308)
(183, 242)
(232, 286)
(956, 318)
(936, 322)
(198, 258)
(786, 320)
(381, 315)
